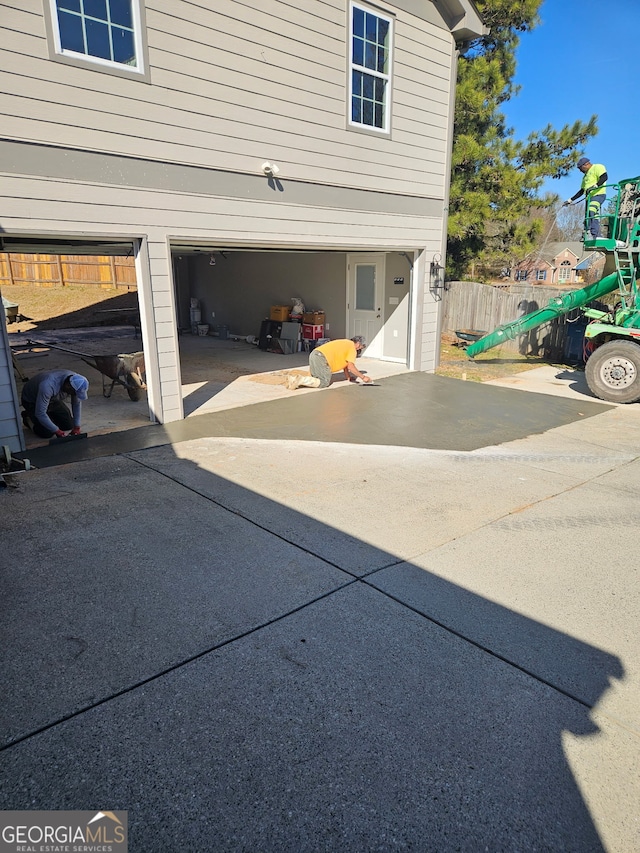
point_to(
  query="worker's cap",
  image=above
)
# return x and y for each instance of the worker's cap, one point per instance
(583, 162)
(80, 385)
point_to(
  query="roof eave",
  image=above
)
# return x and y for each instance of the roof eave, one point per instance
(462, 18)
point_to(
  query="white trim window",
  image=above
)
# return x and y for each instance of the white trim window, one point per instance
(564, 273)
(541, 275)
(370, 69)
(105, 32)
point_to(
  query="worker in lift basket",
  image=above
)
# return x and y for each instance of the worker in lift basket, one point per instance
(593, 186)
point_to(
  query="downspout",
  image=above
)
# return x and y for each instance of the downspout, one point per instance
(453, 81)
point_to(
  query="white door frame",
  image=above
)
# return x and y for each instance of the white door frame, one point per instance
(374, 334)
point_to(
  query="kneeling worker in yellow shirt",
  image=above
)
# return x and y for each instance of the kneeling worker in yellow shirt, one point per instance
(328, 359)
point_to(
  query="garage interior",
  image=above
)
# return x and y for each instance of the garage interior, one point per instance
(224, 364)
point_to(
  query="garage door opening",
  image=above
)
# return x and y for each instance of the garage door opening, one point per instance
(242, 329)
(78, 313)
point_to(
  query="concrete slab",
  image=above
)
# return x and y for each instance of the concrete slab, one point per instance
(552, 380)
(100, 592)
(351, 507)
(406, 410)
(617, 429)
(216, 374)
(238, 693)
(568, 563)
(351, 725)
(264, 385)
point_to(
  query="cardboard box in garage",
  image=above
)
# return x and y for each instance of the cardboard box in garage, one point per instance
(313, 318)
(279, 312)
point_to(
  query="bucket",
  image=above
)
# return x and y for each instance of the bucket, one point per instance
(203, 329)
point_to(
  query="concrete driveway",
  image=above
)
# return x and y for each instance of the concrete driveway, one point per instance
(396, 618)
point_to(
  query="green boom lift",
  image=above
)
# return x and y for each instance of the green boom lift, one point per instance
(613, 336)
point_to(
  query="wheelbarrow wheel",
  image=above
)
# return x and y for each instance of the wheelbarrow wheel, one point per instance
(134, 389)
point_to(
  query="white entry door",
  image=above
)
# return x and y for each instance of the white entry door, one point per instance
(365, 292)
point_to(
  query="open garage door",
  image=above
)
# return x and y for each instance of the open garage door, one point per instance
(235, 292)
(74, 306)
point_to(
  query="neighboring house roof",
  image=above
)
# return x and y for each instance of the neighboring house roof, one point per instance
(589, 260)
(551, 252)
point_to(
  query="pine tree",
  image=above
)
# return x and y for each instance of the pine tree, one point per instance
(496, 179)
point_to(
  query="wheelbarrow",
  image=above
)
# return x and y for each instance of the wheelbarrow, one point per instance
(126, 369)
(468, 336)
(11, 311)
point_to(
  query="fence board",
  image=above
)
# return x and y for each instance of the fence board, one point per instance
(109, 273)
(471, 305)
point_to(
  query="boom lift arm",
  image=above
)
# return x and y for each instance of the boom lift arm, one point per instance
(613, 367)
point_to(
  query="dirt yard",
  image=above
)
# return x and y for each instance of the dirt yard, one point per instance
(494, 364)
(74, 306)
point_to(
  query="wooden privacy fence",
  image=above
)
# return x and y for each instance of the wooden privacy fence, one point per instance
(470, 305)
(108, 272)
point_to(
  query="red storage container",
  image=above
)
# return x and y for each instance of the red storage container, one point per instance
(312, 332)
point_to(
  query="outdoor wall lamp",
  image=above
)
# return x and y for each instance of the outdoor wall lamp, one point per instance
(437, 273)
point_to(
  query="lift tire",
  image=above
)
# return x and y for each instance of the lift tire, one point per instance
(613, 372)
(134, 389)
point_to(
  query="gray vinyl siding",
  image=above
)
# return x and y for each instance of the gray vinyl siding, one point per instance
(176, 157)
(227, 83)
(9, 414)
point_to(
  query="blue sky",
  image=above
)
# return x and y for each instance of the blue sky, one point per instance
(580, 61)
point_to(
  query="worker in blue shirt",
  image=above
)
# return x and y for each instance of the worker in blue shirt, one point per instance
(45, 409)
(593, 181)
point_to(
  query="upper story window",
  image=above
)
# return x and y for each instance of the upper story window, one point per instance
(370, 69)
(541, 275)
(522, 275)
(103, 32)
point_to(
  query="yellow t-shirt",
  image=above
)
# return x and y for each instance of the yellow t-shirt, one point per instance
(338, 354)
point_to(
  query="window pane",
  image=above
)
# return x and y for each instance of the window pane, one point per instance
(371, 23)
(71, 36)
(124, 49)
(370, 55)
(96, 9)
(358, 22)
(98, 43)
(358, 51)
(356, 83)
(121, 13)
(356, 110)
(70, 5)
(383, 33)
(365, 287)
(367, 113)
(367, 86)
